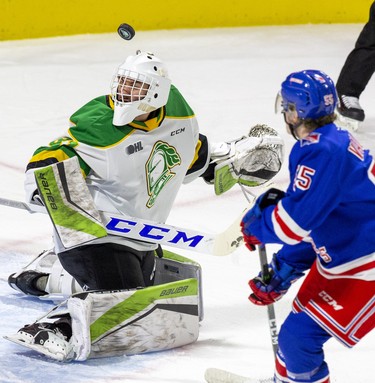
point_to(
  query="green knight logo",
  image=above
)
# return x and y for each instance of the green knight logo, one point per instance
(158, 169)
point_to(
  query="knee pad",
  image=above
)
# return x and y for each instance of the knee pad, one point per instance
(60, 284)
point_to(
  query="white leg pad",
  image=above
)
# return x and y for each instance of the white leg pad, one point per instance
(135, 321)
(173, 267)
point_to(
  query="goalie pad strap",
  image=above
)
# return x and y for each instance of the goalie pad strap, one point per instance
(60, 283)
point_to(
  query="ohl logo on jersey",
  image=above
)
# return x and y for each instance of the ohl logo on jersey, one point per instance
(136, 147)
(162, 159)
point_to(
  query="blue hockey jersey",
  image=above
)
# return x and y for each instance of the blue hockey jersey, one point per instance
(329, 203)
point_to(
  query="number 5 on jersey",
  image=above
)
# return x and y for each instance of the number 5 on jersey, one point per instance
(303, 178)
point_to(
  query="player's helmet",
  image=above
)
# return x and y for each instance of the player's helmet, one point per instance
(140, 86)
(311, 93)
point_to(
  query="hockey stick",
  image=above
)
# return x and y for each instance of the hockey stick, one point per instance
(219, 244)
(270, 308)
(216, 375)
(22, 205)
(266, 276)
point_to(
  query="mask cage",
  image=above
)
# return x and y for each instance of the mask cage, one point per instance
(128, 87)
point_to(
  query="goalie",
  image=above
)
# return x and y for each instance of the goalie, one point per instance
(128, 152)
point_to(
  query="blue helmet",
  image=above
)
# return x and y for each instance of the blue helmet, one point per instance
(311, 92)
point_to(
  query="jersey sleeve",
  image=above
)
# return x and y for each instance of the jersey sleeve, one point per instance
(200, 161)
(300, 256)
(56, 151)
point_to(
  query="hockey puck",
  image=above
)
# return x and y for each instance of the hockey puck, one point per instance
(126, 31)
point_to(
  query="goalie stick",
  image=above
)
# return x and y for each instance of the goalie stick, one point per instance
(216, 375)
(218, 244)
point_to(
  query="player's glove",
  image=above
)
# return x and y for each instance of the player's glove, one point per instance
(277, 283)
(270, 197)
(250, 240)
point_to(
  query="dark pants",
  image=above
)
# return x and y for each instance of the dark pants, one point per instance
(360, 64)
(109, 266)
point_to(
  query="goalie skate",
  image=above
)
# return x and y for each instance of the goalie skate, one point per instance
(26, 282)
(44, 339)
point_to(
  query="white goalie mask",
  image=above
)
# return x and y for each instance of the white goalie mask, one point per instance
(141, 85)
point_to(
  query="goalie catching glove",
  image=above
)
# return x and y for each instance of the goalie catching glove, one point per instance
(281, 277)
(250, 160)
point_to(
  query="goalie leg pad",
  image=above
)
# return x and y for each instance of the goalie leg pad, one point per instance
(136, 321)
(105, 324)
(173, 267)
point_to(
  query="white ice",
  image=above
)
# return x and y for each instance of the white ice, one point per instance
(230, 77)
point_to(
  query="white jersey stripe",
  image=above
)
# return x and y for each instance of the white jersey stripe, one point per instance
(286, 228)
(361, 268)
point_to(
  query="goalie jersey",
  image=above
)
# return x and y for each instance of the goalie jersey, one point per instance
(136, 169)
(330, 204)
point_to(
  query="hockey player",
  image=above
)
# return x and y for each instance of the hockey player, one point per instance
(131, 150)
(325, 221)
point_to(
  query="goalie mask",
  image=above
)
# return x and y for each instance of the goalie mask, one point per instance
(141, 85)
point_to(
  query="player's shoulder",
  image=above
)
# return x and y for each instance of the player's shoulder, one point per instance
(92, 124)
(97, 111)
(328, 139)
(177, 106)
(97, 105)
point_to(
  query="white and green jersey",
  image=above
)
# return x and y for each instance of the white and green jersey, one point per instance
(136, 169)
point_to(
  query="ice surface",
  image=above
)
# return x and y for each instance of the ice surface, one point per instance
(230, 77)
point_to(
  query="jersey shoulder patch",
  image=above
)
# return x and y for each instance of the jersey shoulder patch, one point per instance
(312, 138)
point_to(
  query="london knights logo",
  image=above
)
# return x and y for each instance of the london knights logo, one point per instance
(162, 159)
